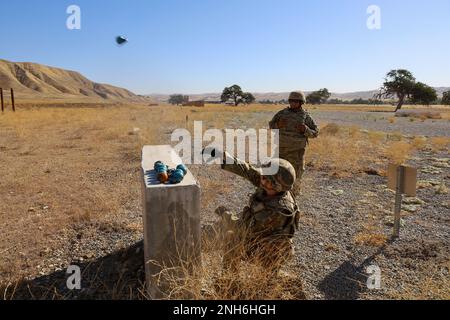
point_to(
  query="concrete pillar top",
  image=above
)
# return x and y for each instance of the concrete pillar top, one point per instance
(166, 154)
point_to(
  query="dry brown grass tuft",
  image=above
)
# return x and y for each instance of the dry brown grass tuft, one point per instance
(422, 115)
(354, 132)
(440, 143)
(398, 152)
(394, 136)
(343, 151)
(330, 129)
(370, 236)
(335, 155)
(419, 143)
(376, 137)
(210, 282)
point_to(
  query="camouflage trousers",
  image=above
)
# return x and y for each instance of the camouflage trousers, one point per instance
(270, 252)
(297, 158)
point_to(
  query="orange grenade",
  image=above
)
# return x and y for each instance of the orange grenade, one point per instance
(161, 171)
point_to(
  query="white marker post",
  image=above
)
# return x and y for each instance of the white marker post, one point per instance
(403, 180)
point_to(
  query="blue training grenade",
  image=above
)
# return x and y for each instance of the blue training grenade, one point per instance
(165, 174)
(176, 176)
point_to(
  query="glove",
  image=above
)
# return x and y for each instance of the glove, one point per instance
(212, 154)
(209, 151)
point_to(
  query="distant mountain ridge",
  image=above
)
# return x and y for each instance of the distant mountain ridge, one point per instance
(277, 96)
(37, 81)
(33, 80)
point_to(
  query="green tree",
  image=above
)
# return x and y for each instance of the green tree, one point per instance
(446, 98)
(248, 98)
(318, 97)
(235, 94)
(398, 83)
(313, 98)
(177, 99)
(423, 94)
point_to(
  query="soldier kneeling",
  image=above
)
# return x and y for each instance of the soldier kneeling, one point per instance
(263, 232)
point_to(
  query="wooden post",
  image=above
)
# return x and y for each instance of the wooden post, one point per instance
(1, 97)
(398, 200)
(12, 100)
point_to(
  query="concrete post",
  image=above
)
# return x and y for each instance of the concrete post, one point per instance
(171, 220)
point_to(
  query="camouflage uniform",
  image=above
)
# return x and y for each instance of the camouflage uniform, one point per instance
(292, 142)
(263, 231)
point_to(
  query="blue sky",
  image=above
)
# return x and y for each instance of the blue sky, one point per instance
(197, 46)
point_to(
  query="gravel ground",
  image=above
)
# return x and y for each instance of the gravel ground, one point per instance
(334, 267)
(377, 121)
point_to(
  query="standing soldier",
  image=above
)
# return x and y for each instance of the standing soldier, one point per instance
(296, 127)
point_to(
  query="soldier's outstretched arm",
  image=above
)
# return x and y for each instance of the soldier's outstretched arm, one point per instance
(312, 130)
(241, 168)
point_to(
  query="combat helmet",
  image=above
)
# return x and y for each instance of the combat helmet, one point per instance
(298, 95)
(283, 180)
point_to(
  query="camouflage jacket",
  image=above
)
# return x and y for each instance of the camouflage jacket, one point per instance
(265, 216)
(290, 136)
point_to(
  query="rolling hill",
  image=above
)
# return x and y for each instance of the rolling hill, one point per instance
(36, 81)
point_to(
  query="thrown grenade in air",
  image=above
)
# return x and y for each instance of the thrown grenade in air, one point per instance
(120, 40)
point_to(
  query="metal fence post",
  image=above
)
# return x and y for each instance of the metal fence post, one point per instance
(1, 98)
(398, 200)
(12, 100)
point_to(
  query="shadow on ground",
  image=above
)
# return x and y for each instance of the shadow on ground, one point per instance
(344, 283)
(119, 275)
(349, 280)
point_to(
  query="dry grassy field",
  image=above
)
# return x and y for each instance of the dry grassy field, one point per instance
(70, 192)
